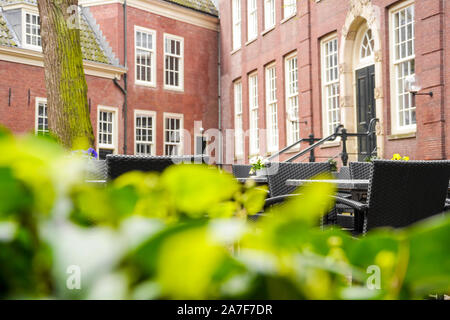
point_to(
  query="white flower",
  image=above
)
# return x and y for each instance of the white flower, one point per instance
(256, 159)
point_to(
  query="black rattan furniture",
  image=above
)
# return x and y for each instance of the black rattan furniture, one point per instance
(401, 193)
(96, 170)
(120, 164)
(241, 170)
(344, 173)
(360, 170)
(280, 172)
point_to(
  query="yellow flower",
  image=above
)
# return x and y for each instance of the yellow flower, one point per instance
(396, 157)
(405, 158)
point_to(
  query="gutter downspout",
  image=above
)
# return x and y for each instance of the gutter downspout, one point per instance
(311, 108)
(125, 80)
(219, 98)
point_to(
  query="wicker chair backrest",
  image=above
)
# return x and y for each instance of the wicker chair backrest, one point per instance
(360, 170)
(403, 192)
(344, 173)
(96, 170)
(120, 164)
(291, 170)
(241, 170)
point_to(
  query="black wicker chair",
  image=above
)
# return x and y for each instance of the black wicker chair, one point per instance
(360, 170)
(96, 170)
(401, 193)
(120, 164)
(279, 173)
(344, 173)
(241, 170)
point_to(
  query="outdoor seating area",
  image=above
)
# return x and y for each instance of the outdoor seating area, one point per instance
(143, 217)
(384, 193)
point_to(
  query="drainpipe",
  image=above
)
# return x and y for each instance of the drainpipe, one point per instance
(444, 98)
(125, 80)
(220, 155)
(310, 69)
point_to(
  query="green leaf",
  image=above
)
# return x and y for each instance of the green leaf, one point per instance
(429, 261)
(194, 189)
(253, 199)
(14, 197)
(313, 201)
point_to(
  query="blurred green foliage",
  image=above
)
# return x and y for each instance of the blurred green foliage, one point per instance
(185, 234)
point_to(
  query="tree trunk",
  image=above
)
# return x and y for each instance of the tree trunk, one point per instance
(68, 110)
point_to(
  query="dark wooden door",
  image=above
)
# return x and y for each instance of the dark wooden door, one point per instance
(365, 86)
(200, 145)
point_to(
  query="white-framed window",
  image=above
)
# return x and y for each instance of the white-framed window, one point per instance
(107, 130)
(144, 133)
(238, 120)
(31, 30)
(236, 21)
(252, 19)
(271, 109)
(253, 112)
(41, 116)
(269, 14)
(330, 85)
(289, 8)
(291, 84)
(173, 134)
(173, 62)
(403, 65)
(145, 53)
(367, 45)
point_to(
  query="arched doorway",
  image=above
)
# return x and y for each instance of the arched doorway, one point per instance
(361, 80)
(364, 71)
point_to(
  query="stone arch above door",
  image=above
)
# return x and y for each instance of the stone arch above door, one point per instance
(361, 12)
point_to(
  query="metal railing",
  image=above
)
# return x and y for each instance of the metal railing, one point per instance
(310, 139)
(340, 131)
(318, 143)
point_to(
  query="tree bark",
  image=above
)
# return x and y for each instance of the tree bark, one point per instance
(68, 109)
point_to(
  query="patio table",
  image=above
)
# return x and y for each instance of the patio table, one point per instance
(356, 187)
(97, 182)
(342, 184)
(259, 180)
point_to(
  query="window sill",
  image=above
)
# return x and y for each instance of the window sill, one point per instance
(292, 150)
(235, 50)
(270, 153)
(144, 84)
(399, 136)
(251, 41)
(330, 144)
(33, 48)
(267, 31)
(175, 89)
(288, 18)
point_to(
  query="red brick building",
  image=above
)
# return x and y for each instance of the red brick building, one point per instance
(151, 96)
(298, 68)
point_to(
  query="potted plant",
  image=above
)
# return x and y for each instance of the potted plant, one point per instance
(397, 156)
(258, 166)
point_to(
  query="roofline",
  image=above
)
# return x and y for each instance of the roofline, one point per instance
(35, 58)
(167, 9)
(190, 8)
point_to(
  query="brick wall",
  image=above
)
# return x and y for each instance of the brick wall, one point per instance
(313, 21)
(20, 115)
(198, 101)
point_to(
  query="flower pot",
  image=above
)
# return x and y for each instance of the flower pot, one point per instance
(261, 172)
